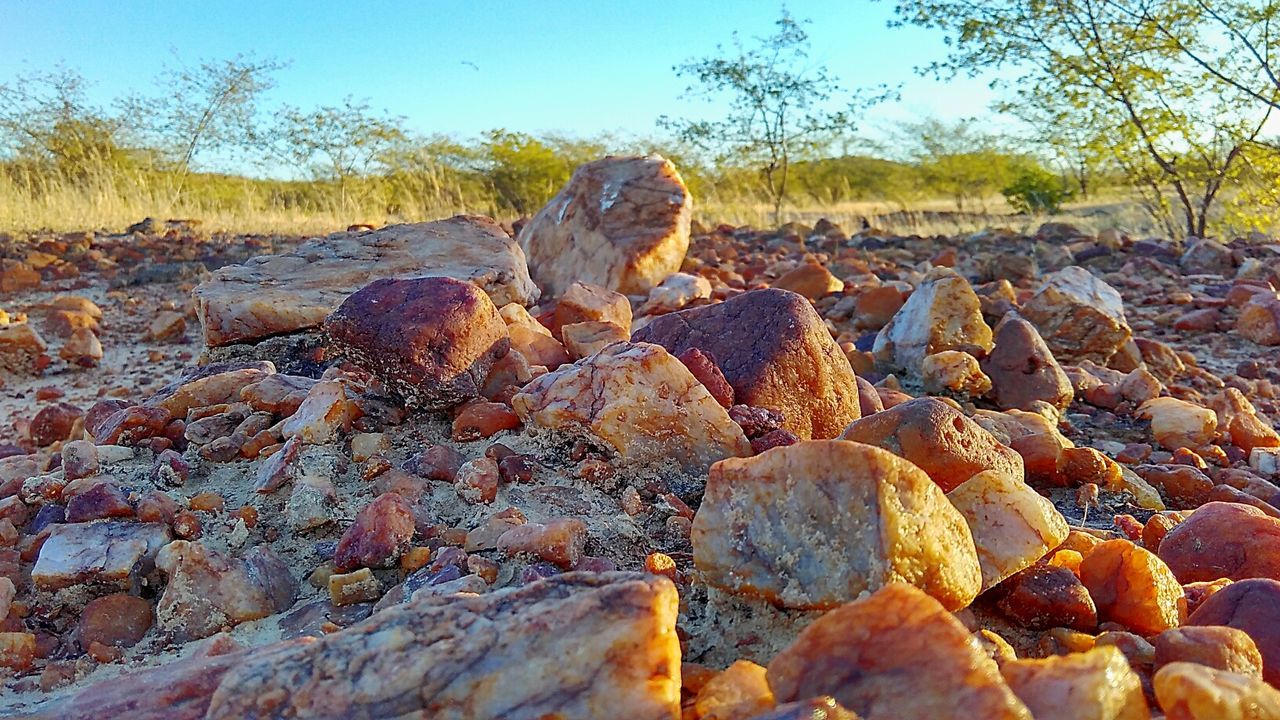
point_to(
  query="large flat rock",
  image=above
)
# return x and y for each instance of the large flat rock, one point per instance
(278, 294)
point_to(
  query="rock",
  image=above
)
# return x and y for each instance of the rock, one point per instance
(311, 503)
(277, 393)
(1223, 540)
(1133, 587)
(1022, 369)
(279, 468)
(431, 340)
(895, 654)
(79, 459)
(1204, 256)
(775, 351)
(106, 554)
(1093, 685)
(16, 276)
(21, 350)
(639, 400)
(1047, 596)
(952, 372)
(55, 422)
(353, 588)
(882, 521)
(559, 541)
(115, 620)
(676, 292)
(583, 339)
(1237, 416)
(876, 306)
(82, 349)
(102, 500)
(277, 294)
(810, 280)
(1259, 320)
(381, 531)
(1079, 316)
(553, 648)
(942, 314)
(167, 327)
(1218, 647)
(1012, 525)
(17, 650)
(1187, 691)
(740, 691)
(819, 708)
(1177, 423)
(588, 303)
(1253, 607)
(208, 591)
(63, 323)
(215, 384)
(621, 223)
(944, 443)
(324, 413)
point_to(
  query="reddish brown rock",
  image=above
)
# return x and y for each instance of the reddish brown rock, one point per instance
(621, 223)
(558, 541)
(810, 280)
(1023, 370)
(115, 620)
(1238, 417)
(55, 422)
(82, 349)
(430, 340)
(704, 368)
(895, 654)
(102, 500)
(1182, 487)
(1047, 596)
(1131, 586)
(22, 350)
(775, 351)
(131, 425)
(381, 531)
(208, 591)
(1259, 320)
(1217, 646)
(1223, 540)
(1252, 606)
(944, 443)
(16, 276)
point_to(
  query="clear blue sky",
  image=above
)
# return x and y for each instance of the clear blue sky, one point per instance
(575, 66)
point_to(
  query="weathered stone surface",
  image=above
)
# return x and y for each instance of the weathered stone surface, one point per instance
(1023, 370)
(1133, 587)
(1093, 685)
(1012, 525)
(208, 591)
(942, 314)
(815, 524)
(589, 303)
(1238, 417)
(621, 223)
(939, 439)
(110, 554)
(54, 422)
(810, 280)
(1205, 256)
(430, 340)
(895, 654)
(278, 294)
(82, 349)
(1047, 596)
(381, 531)
(1079, 316)
(1259, 320)
(775, 351)
(1177, 423)
(1217, 646)
(638, 400)
(325, 411)
(21, 350)
(1252, 606)
(952, 372)
(1223, 540)
(210, 385)
(1187, 691)
(676, 292)
(117, 620)
(819, 708)
(740, 691)
(584, 338)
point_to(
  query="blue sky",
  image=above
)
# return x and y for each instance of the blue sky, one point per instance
(572, 66)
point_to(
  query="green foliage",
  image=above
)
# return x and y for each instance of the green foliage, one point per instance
(1035, 190)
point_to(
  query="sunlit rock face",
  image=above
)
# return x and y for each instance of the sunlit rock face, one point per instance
(621, 223)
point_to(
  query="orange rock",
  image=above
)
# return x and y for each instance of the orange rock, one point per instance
(483, 419)
(1183, 487)
(1223, 540)
(584, 338)
(1217, 646)
(1133, 587)
(892, 655)
(590, 303)
(741, 691)
(1177, 423)
(1045, 596)
(1093, 685)
(810, 280)
(558, 541)
(17, 650)
(954, 372)
(1012, 525)
(1238, 417)
(1187, 691)
(21, 350)
(1252, 606)
(1259, 320)
(939, 439)
(115, 620)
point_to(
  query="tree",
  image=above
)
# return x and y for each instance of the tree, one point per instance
(1184, 130)
(957, 159)
(337, 142)
(779, 104)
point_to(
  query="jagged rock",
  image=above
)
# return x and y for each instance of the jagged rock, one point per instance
(1093, 685)
(82, 349)
(775, 351)
(208, 591)
(895, 654)
(1187, 691)
(1022, 369)
(1012, 525)
(1079, 316)
(381, 531)
(1259, 320)
(279, 294)
(324, 412)
(216, 384)
(882, 521)
(952, 372)
(108, 554)
(584, 338)
(432, 341)
(1133, 587)
(1207, 257)
(621, 223)
(942, 314)
(639, 400)
(588, 303)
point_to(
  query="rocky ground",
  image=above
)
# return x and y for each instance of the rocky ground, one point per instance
(610, 458)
